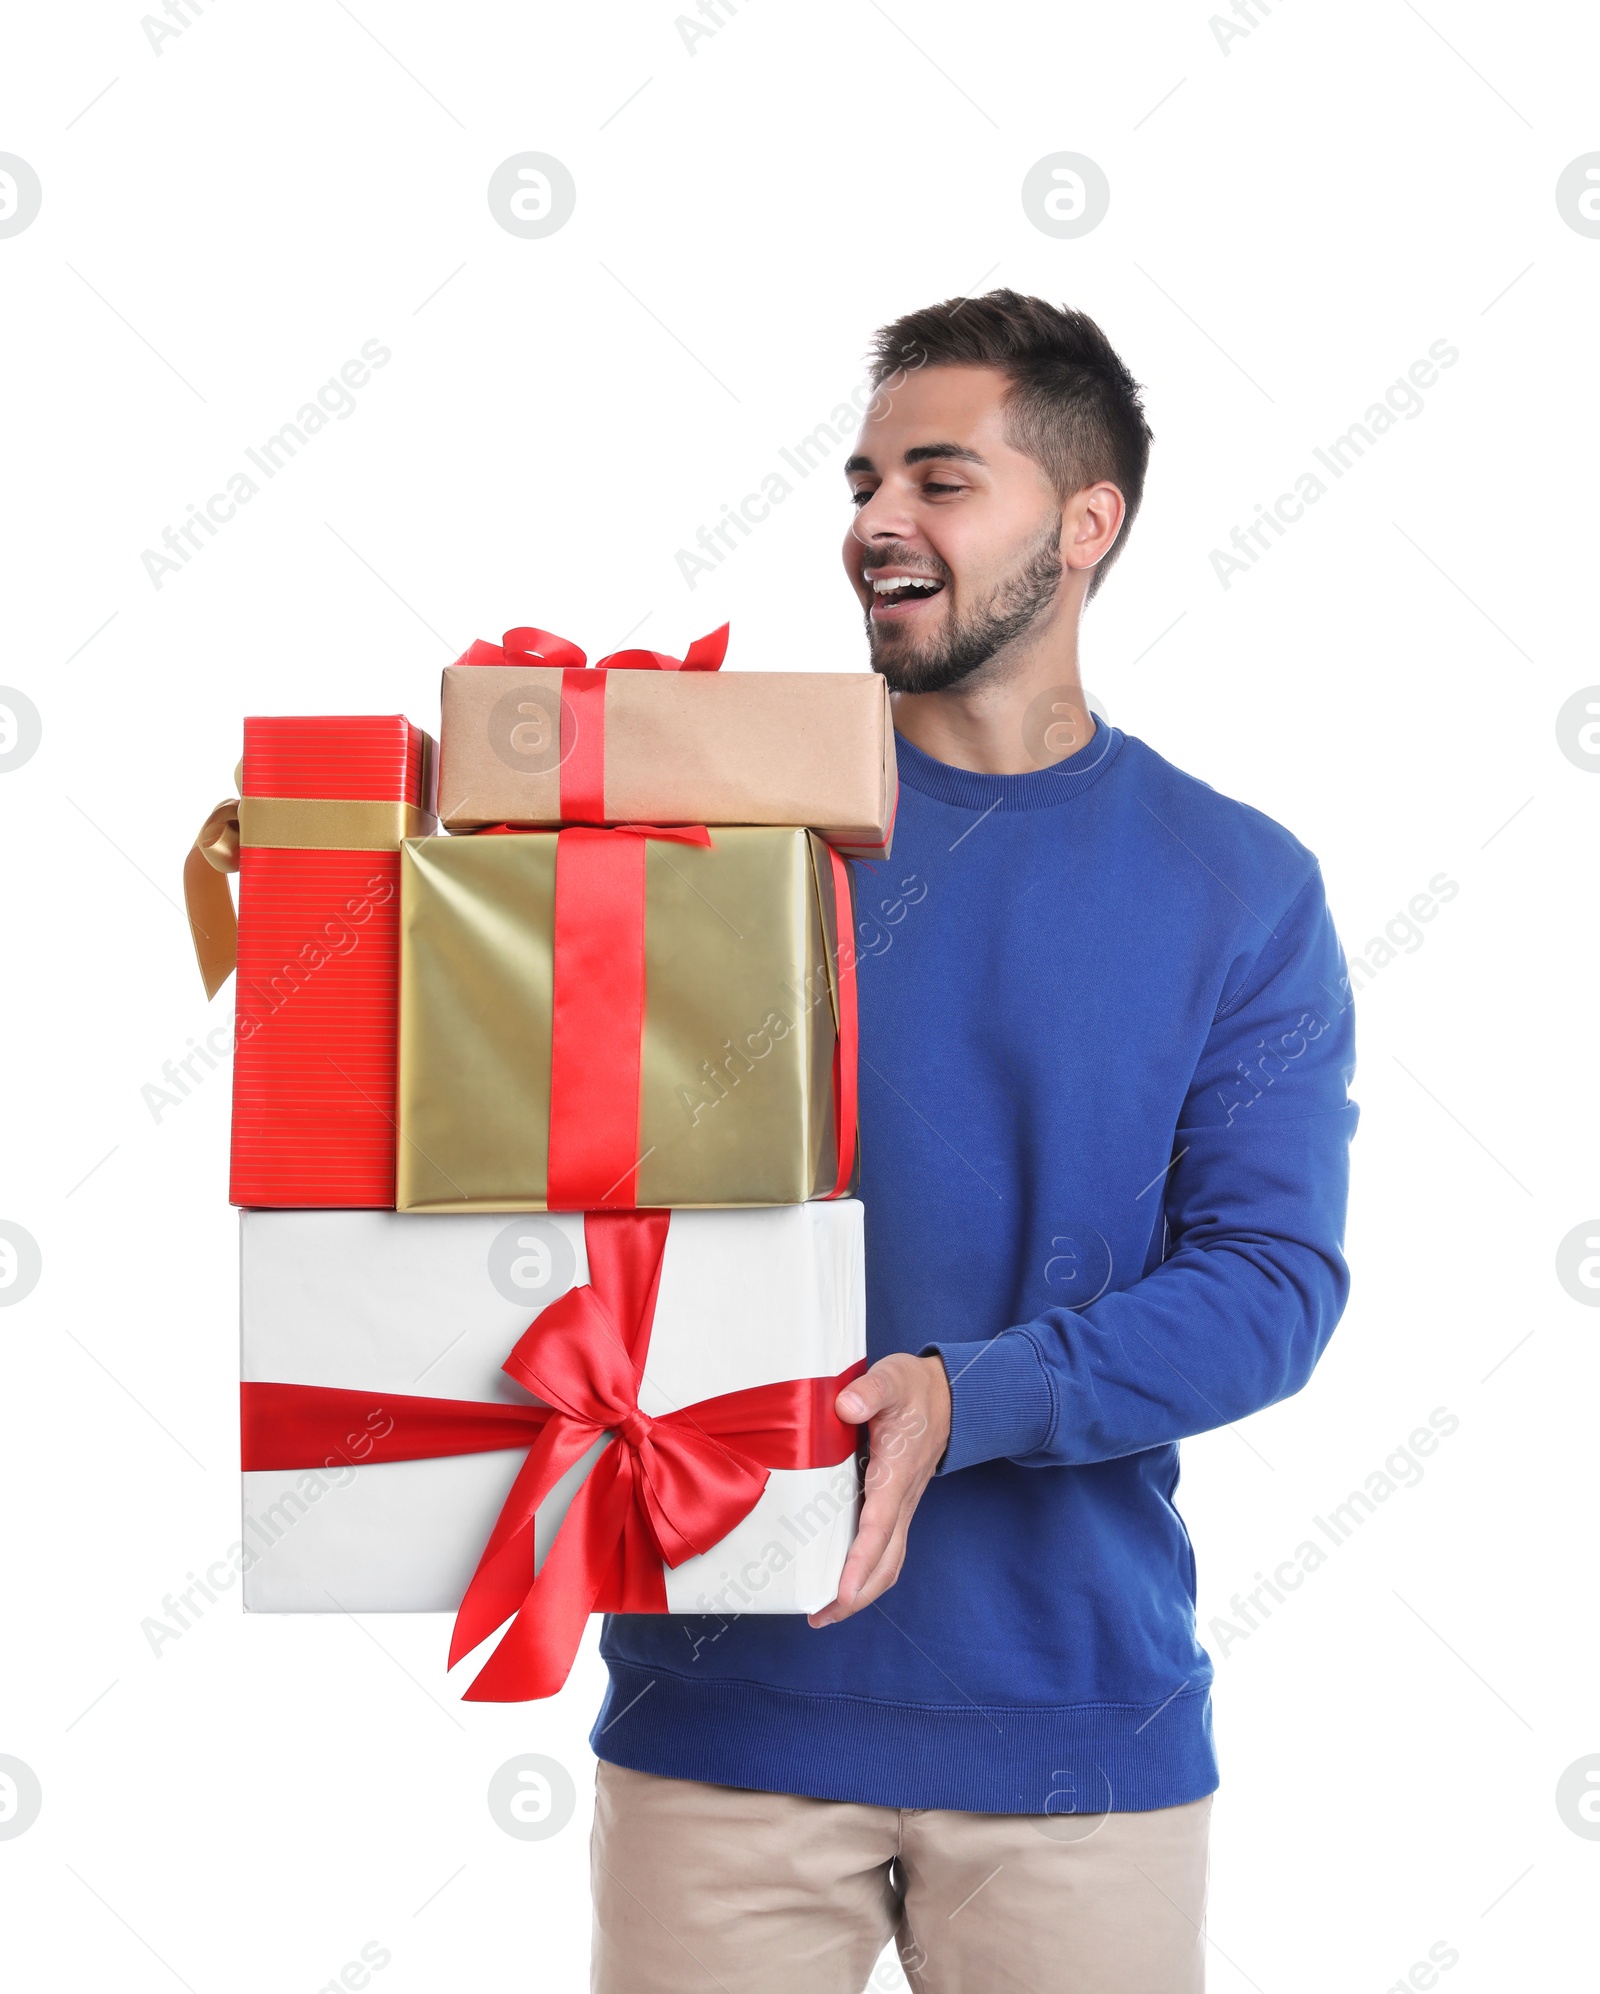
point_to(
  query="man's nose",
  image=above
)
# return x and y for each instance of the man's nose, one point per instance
(885, 516)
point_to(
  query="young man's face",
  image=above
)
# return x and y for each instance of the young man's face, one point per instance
(955, 549)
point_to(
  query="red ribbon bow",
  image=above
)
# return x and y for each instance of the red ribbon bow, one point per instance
(705, 654)
(668, 1488)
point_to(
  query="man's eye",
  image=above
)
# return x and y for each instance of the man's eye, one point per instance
(859, 498)
(929, 485)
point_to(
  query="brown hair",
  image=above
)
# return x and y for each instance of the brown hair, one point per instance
(1072, 405)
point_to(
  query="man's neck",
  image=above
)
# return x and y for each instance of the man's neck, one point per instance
(1014, 715)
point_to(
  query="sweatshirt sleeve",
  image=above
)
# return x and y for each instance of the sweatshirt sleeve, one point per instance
(1253, 1280)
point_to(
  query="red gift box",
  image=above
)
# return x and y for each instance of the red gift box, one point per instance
(325, 804)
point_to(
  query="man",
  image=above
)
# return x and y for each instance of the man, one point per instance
(1105, 1041)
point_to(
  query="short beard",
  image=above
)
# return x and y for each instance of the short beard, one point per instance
(970, 640)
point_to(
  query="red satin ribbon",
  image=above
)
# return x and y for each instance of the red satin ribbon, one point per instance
(583, 701)
(668, 1488)
(844, 1046)
(583, 746)
(320, 1426)
(596, 1021)
(597, 1011)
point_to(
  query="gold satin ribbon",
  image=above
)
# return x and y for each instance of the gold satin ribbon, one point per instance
(286, 823)
(212, 922)
(330, 824)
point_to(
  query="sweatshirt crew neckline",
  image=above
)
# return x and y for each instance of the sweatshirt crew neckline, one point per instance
(1036, 789)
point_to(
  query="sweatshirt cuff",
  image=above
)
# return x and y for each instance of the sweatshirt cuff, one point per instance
(1001, 1403)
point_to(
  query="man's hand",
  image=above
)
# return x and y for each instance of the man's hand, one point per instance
(906, 1403)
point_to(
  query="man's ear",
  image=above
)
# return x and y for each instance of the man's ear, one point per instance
(1090, 523)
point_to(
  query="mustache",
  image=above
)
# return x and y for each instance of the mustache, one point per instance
(901, 557)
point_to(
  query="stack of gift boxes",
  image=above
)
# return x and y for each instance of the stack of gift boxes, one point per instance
(545, 1130)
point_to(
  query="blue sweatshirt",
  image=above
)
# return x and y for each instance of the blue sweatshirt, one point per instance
(1105, 1042)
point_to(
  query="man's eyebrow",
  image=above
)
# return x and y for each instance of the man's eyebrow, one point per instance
(925, 452)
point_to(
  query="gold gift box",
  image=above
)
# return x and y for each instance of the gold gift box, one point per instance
(740, 1021)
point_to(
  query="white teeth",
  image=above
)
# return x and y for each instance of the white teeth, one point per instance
(903, 581)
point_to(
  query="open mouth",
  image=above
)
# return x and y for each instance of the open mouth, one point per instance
(898, 595)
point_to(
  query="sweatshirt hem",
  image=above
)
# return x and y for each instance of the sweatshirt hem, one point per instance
(1083, 1758)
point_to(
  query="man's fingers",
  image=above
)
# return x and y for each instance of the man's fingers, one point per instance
(861, 1398)
(895, 1477)
(873, 1533)
(862, 1584)
(883, 1575)
(876, 1534)
(880, 1516)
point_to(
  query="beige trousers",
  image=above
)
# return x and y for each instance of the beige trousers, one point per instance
(705, 1888)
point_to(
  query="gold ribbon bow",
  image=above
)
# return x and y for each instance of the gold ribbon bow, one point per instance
(212, 921)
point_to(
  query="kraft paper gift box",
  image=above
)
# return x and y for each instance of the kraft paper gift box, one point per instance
(687, 1363)
(315, 838)
(532, 736)
(595, 1018)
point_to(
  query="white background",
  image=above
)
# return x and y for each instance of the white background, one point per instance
(1293, 221)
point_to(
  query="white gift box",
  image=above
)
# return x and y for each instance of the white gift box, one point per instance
(424, 1305)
